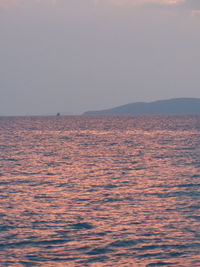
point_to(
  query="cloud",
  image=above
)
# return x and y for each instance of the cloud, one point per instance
(190, 6)
(144, 2)
(13, 3)
(193, 5)
(10, 3)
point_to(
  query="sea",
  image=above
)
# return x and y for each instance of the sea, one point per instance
(100, 191)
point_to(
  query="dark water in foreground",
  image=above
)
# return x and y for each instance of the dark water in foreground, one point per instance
(121, 191)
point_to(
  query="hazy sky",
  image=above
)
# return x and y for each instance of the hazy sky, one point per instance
(78, 55)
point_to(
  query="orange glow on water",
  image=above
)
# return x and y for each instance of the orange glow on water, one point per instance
(100, 191)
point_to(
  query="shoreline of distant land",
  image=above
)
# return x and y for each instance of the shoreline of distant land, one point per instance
(173, 106)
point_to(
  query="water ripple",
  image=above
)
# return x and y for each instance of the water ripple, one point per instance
(100, 191)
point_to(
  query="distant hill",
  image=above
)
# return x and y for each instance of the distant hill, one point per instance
(170, 106)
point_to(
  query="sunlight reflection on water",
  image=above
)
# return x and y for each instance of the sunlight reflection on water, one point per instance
(100, 191)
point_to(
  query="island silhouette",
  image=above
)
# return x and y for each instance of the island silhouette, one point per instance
(176, 106)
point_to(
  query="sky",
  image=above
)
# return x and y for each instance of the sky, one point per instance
(70, 56)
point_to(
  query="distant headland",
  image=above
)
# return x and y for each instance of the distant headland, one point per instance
(176, 106)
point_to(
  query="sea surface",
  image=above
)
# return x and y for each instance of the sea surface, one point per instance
(100, 191)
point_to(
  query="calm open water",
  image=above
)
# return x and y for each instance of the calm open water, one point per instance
(100, 191)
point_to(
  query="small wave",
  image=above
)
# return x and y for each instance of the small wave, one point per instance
(97, 251)
(97, 259)
(160, 263)
(82, 226)
(126, 243)
(34, 243)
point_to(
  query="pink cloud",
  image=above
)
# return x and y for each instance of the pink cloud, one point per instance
(134, 2)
